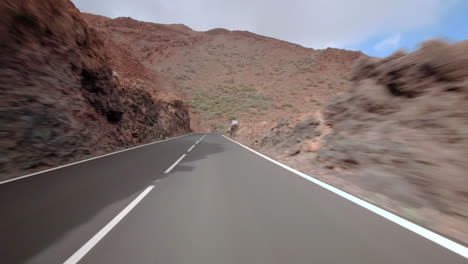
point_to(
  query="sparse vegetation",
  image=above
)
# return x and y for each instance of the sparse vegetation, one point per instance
(229, 77)
(219, 127)
(182, 77)
(228, 101)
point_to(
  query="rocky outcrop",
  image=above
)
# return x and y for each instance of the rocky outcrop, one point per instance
(290, 139)
(60, 102)
(397, 138)
(403, 127)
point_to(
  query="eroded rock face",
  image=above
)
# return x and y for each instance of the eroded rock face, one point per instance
(404, 126)
(59, 100)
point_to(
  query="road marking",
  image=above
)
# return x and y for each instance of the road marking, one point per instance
(175, 164)
(78, 255)
(200, 139)
(103, 232)
(436, 238)
(191, 148)
(81, 161)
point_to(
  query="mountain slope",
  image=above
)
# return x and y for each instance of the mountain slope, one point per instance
(229, 74)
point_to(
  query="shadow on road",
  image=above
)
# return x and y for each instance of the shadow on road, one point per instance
(39, 211)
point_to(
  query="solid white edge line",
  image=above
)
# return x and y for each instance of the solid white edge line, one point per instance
(190, 148)
(436, 238)
(175, 164)
(78, 255)
(81, 161)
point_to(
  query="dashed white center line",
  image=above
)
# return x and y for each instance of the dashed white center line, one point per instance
(200, 139)
(190, 148)
(96, 238)
(175, 164)
(78, 255)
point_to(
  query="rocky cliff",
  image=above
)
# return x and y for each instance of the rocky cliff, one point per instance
(60, 99)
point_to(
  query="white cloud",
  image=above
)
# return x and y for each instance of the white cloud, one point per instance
(390, 43)
(312, 23)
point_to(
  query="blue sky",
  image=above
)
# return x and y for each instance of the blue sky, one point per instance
(376, 27)
(451, 26)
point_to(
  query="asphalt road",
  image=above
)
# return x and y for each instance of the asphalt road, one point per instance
(220, 204)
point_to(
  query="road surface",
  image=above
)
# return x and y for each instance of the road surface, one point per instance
(217, 203)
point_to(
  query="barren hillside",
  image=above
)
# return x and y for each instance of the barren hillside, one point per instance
(228, 74)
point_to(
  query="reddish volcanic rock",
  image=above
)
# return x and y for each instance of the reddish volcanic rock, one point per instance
(59, 100)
